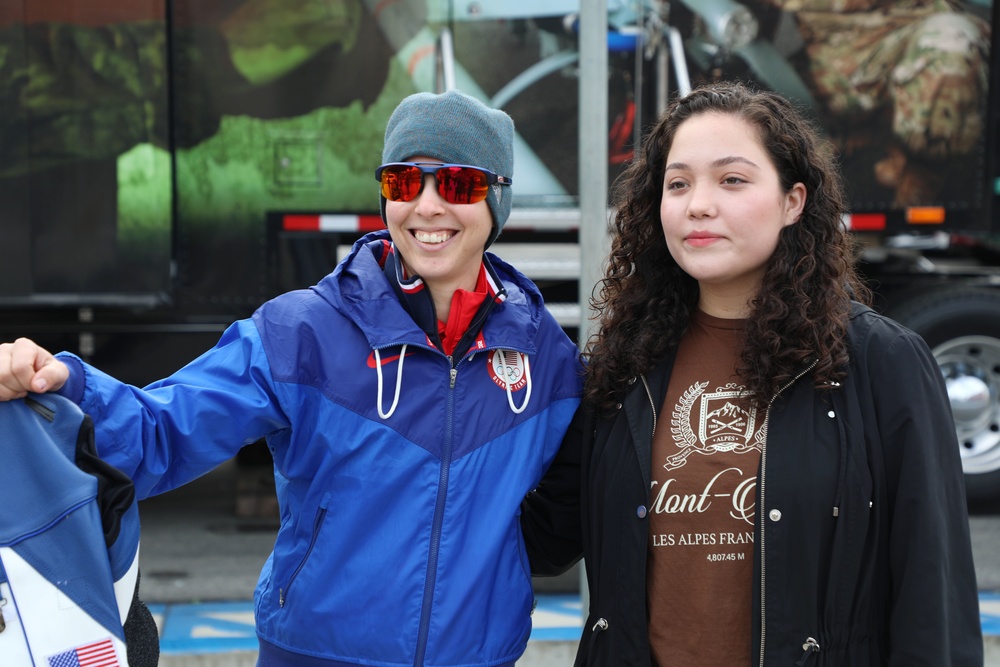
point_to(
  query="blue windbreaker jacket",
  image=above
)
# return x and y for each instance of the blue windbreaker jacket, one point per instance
(399, 470)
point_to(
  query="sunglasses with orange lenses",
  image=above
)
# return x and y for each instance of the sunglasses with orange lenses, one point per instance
(456, 183)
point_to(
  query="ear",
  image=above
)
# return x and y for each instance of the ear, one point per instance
(795, 203)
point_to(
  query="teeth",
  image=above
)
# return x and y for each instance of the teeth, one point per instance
(432, 237)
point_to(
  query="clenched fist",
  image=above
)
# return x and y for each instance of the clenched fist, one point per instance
(25, 366)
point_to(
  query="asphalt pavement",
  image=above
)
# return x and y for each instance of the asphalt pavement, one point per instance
(203, 547)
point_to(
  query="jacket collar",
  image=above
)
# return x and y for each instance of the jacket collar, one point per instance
(360, 289)
(416, 300)
(642, 405)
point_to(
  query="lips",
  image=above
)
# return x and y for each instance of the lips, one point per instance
(701, 238)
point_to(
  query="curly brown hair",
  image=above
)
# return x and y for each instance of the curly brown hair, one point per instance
(799, 315)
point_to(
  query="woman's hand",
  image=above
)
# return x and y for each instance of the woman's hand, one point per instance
(25, 366)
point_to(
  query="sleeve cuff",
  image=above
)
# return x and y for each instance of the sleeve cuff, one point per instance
(76, 383)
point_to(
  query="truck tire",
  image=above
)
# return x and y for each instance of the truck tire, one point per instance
(962, 327)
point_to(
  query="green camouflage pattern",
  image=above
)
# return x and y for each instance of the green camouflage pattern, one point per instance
(924, 61)
(269, 38)
(75, 93)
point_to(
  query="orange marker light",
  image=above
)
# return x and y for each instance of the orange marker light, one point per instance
(925, 215)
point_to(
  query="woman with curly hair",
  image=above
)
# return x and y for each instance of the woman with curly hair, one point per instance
(769, 469)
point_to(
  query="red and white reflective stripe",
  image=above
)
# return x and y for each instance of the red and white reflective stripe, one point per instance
(332, 223)
(865, 222)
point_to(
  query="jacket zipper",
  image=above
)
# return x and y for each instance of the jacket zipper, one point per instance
(442, 496)
(763, 507)
(317, 524)
(652, 404)
(435, 545)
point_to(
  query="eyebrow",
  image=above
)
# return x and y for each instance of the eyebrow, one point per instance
(721, 162)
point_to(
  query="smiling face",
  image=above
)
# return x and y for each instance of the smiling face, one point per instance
(723, 208)
(442, 243)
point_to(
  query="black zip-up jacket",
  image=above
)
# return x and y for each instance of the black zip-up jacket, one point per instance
(862, 553)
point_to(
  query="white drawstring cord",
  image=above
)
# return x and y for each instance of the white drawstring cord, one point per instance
(527, 384)
(399, 382)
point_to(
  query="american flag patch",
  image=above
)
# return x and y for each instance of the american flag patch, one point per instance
(98, 654)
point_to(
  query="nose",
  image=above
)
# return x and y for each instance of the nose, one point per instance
(429, 202)
(701, 203)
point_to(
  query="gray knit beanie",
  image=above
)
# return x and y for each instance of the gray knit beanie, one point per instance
(453, 127)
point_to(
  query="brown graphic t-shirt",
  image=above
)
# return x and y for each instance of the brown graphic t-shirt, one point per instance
(706, 451)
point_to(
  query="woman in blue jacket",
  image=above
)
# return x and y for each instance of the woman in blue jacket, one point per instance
(770, 472)
(409, 401)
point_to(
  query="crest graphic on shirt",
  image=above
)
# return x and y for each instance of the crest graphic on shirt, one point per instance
(506, 367)
(723, 425)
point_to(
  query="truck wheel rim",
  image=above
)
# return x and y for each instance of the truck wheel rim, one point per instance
(971, 368)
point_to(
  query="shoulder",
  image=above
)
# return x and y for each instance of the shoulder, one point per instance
(868, 328)
(520, 287)
(297, 315)
(524, 313)
(879, 342)
(299, 303)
